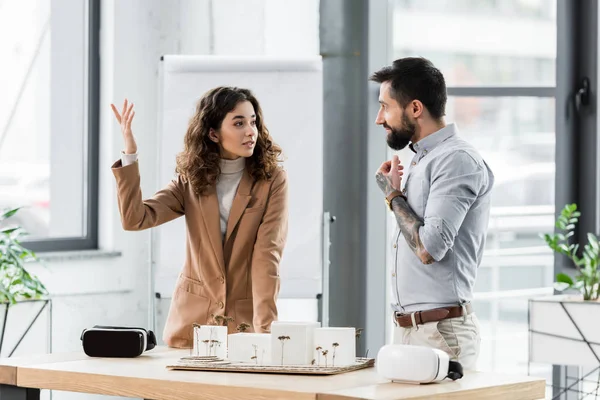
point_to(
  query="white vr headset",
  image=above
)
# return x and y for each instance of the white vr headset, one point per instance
(416, 364)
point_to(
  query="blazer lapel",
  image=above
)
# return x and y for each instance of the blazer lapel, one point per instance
(209, 204)
(240, 201)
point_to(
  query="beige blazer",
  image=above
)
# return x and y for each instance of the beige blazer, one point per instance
(237, 277)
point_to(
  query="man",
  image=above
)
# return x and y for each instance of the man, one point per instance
(442, 212)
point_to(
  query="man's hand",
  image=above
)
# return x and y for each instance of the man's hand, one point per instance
(389, 176)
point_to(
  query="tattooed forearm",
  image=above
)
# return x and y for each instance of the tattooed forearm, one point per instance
(409, 224)
(384, 183)
(408, 221)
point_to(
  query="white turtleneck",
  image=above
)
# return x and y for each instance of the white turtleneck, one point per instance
(227, 184)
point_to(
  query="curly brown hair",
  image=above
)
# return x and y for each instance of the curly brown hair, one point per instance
(199, 162)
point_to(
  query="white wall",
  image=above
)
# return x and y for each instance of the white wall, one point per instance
(114, 289)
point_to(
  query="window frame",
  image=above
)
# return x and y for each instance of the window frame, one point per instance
(89, 241)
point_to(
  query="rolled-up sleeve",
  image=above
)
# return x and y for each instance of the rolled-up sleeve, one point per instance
(456, 182)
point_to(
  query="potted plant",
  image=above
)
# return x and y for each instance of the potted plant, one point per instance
(17, 284)
(568, 322)
(588, 275)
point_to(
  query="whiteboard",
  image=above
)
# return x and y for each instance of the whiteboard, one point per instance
(290, 93)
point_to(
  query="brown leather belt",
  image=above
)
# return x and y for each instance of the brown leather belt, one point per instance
(433, 315)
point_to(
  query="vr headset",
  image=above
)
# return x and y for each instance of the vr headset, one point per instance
(114, 341)
(416, 364)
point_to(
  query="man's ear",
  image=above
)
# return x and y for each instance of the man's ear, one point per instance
(212, 134)
(417, 108)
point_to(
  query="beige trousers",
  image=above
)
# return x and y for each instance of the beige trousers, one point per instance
(459, 337)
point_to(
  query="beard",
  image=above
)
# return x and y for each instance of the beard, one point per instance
(399, 138)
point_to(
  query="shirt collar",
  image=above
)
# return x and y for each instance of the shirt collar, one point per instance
(428, 143)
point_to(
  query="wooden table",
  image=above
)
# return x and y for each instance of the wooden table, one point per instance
(147, 377)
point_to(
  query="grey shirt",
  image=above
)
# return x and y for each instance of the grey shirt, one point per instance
(448, 184)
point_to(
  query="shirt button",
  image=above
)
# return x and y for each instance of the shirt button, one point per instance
(413, 163)
(424, 151)
(221, 305)
(394, 246)
(222, 279)
(393, 274)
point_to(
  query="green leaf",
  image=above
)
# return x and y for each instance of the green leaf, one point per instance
(588, 274)
(570, 227)
(590, 253)
(9, 213)
(563, 248)
(593, 241)
(564, 278)
(9, 230)
(560, 286)
(576, 214)
(572, 207)
(6, 295)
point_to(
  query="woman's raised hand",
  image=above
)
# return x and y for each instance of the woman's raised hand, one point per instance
(124, 118)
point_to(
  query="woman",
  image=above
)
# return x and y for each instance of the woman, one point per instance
(234, 197)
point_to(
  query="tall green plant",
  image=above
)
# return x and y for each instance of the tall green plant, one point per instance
(588, 276)
(16, 283)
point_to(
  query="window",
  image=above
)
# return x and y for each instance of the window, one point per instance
(499, 60)
(49, 120)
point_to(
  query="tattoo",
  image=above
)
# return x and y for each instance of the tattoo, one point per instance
(409, 224)
(385, 183)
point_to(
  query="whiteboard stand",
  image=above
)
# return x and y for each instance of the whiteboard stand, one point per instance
(328, 219)
(154, 296)
(152, 292)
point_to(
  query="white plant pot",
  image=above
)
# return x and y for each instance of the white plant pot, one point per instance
(343, 354)
(242, 347)
(560, 326)
(298, 349)
(210, 340)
